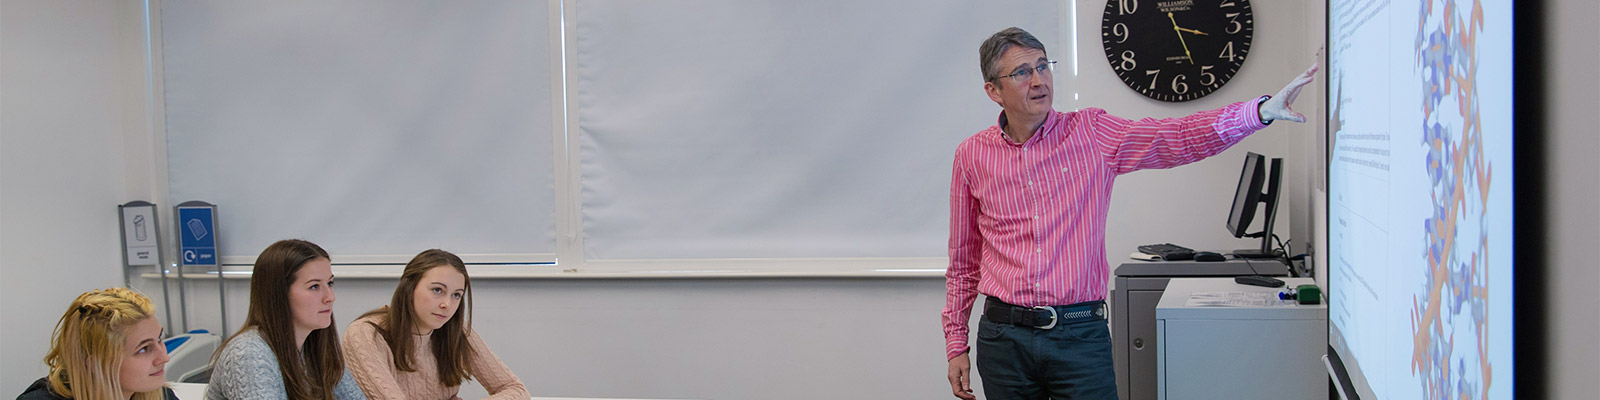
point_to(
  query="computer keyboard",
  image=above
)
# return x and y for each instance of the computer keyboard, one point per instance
(1257, 280)
(1168, 251)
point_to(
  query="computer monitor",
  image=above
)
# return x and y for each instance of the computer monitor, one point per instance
(1256, 175)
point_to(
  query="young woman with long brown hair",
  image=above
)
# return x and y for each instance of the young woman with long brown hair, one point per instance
(422, 346)
(288, 347)
(106, 347)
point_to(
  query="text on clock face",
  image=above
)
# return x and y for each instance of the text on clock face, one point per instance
(1176, 50)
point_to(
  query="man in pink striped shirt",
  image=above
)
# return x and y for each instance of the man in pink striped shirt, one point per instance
(1028, 203)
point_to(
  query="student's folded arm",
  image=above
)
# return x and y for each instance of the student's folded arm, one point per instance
(496, 377)
(367, 358)
(347, 388)
(247, 370)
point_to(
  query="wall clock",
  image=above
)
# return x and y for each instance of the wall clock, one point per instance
(1176, 50)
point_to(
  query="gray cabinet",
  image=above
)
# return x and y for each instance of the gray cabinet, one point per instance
(1137, 290)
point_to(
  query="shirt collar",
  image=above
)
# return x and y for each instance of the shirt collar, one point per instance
(1049, 121)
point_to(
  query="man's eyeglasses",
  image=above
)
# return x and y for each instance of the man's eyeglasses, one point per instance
(1025, 74)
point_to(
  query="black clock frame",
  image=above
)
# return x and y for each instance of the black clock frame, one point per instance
(1176, 50)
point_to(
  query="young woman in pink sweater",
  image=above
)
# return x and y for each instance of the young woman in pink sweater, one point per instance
(421, 346)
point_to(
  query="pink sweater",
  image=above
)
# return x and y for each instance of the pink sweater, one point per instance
(367, 356)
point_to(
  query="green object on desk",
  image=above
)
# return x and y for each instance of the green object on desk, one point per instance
(1308, 294)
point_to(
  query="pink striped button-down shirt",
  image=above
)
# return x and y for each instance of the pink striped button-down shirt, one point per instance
(1028, 220)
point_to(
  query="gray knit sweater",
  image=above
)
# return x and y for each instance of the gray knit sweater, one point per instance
(248, 370)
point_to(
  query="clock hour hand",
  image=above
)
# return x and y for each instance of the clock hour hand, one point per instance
(1191, 31)
(1179, 31)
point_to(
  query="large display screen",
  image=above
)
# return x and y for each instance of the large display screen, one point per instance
(1420, 197)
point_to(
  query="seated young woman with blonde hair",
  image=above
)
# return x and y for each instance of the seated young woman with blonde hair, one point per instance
(107, 346)
(422, 346)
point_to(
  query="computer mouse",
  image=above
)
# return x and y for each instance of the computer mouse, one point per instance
(1208, 256)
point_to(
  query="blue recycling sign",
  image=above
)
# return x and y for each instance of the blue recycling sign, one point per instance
(197, 235)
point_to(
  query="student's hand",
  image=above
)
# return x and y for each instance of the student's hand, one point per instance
(1277, 107)
(961, 377)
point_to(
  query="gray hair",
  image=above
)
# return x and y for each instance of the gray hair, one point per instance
(991, 49)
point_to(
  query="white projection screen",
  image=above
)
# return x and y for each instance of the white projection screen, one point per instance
(370, 127)
(779, 129)
(1421, 198)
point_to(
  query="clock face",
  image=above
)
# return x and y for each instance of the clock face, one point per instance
(1176, 50)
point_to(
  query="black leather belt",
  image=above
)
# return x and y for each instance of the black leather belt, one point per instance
(1042, 317)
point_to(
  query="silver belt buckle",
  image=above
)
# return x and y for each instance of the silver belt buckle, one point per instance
(1053, 316)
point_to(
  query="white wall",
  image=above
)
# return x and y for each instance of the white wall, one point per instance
(65, 119)
(75, 143)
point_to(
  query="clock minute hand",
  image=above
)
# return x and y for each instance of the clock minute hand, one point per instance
(1179, 31)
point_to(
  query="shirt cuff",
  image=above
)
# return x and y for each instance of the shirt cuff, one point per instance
(1256, 116)
(954, 349)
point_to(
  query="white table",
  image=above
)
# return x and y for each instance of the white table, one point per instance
(197, 391)
(188, 391)
(1249, 352)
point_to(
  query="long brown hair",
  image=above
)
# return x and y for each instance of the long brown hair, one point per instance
(312, 371)
(451, 352)
(86, 351)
